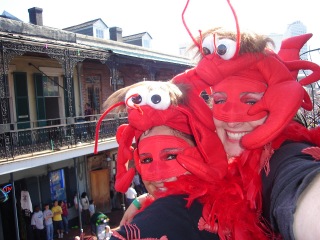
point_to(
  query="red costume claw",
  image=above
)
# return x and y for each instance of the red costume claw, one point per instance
(258, 138)
(124, 177)
(192, 160)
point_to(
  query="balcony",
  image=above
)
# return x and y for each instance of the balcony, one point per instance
(54, 135)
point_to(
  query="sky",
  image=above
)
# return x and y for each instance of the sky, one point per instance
(162, 18)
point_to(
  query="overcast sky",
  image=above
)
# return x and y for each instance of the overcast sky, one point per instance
(162, 18)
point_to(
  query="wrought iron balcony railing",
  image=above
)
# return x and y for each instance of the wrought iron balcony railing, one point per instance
(57, 134)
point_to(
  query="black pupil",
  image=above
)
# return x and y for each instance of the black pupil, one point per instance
(206, 51)
(222, 49)
(137, 99)
(156, 99)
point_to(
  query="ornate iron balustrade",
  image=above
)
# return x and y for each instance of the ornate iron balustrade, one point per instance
(39, 140)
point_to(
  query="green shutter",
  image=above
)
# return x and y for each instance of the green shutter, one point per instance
(21, 98)
(40, 99)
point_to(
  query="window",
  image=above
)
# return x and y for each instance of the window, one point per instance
(50, 86)
(99, 33)
(93, 92)
(146, 43)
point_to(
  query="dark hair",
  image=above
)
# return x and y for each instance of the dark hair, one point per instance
(59, 202)
(91, 201)
(83, 195)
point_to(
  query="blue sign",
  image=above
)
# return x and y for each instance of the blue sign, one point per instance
(57, 185)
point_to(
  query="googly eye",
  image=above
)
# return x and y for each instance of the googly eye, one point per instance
(159, 99)
(226, 48)
(208, 45)
(136, 96)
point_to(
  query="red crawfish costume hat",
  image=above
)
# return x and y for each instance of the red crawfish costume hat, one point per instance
(151, 104)
(229, 54)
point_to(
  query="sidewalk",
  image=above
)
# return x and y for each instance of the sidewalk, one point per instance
(114, 216)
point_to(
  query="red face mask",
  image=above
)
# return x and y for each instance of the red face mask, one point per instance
(158, 157)
(233, 97)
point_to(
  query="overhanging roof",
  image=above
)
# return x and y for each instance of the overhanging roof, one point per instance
(132, 50)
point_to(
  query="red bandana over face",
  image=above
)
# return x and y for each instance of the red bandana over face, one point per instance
(157, 157)
(234, 96)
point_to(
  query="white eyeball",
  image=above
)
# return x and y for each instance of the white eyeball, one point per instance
(226, 48)
(208, 45)
(136, 96)
(159, 99)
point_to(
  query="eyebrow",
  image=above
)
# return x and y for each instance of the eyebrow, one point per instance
(163, 151)
(254, 94)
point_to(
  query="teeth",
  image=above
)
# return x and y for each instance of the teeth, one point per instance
(163, 189)
(235, 136)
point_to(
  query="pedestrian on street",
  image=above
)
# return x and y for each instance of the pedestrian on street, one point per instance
(85, 214)
(57, 218)
(47, 214)
(65, 213)
(37, 223)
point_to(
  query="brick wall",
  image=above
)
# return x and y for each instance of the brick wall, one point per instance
(92, 71)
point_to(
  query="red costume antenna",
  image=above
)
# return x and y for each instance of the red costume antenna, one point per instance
(237, 27)
(99, 123)
(200, 45)
(185, 25)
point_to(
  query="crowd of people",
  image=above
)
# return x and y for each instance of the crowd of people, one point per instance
(50, 222)
(53, 221)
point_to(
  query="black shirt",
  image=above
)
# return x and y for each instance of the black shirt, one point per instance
(291, 171)
(169, 217)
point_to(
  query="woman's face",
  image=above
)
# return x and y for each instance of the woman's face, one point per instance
(230, 116)
(158, 149)
(230, 134)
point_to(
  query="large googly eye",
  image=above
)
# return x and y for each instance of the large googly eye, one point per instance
(208, 45)
(136, 96)
(159, 99)
(226, 48)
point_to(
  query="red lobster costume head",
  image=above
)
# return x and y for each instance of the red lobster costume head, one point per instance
(151, 104)
(233, 55)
